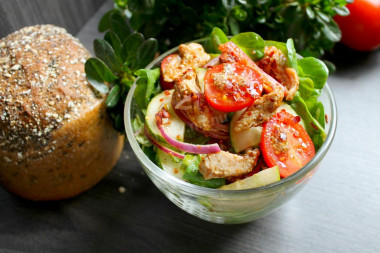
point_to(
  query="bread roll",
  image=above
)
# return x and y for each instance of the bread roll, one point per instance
(56, 139)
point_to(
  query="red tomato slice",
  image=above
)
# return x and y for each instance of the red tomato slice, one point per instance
(230, 87)
(168, 66)
(285, 143)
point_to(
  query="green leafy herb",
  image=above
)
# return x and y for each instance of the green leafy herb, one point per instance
(118, 56)
(113, 97)
(309, 22)
(190, 165)
(146, 87)
(251, 43)
(313, 76)
(104, 51)
(291, 54)
(216, 38)
(97, 73)
(314, 69)
(313, 127)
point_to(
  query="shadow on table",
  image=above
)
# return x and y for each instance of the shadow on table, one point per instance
(347, 60)
(103, 219)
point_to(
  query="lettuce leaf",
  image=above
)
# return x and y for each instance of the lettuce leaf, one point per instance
(313, 75)
(146, 87)
(191, 167)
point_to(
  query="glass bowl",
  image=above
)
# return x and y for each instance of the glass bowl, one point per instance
(229, 206)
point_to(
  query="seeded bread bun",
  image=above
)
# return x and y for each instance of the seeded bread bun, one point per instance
(56, 139)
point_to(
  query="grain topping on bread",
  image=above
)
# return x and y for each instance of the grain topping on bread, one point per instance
(42, 85)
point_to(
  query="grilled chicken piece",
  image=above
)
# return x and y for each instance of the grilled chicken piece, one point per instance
(225, 164)
(274, 64)
(260, 111)
(190, 56)
(191, 106)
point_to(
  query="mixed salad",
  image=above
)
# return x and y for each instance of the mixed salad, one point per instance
(232, 113)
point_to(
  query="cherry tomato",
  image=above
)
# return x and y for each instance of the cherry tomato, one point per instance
(361, 29)
(284, 142)
(168, 66)
(230, 87)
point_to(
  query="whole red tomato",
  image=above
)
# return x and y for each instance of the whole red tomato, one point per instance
(361, 29)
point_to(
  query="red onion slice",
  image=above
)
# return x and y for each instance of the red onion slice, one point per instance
(188, 122)
(187, 147)
(158, 145)
(213, 62)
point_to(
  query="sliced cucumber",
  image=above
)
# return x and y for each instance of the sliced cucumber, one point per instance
(176, 128)
(168, 164)
(252, 136)
(259, 179)
(244, 139)
(201, 72)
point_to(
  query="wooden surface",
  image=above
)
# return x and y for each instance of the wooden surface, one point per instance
(338, 211)
(71, 14)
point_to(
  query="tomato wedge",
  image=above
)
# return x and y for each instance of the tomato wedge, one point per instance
(285, 143)
(230, 87)
(169, 67)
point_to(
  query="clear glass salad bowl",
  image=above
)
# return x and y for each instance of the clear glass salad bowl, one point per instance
(229, 206)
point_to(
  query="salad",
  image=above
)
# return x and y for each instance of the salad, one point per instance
(232, 113)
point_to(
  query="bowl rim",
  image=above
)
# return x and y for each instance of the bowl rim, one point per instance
(195, 189)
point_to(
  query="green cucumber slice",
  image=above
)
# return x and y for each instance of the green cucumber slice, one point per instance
(169, 164)
(176, 128)
(259, 179)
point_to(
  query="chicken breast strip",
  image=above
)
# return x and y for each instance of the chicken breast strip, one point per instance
(224, 164)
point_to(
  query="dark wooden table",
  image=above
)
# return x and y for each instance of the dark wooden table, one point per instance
(338, 211)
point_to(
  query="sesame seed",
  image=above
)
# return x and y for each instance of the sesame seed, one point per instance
(3, 60)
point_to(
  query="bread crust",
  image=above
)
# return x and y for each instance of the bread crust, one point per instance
(56, 139)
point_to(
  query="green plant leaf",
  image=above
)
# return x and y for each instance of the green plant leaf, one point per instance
(141, 6)
(331, 66)
(238, 13)
(306, 88)
(313, 127)
(113, 97)
(119, 25)
(310, 13)
(145, 88)
(234, 25)
(216, 38)
(331, 30)
(97, 72)
(137, 21)
(104, 51)
(318, 113)
(314, 69)
(130, 46)
(291, 54)
(145, 53)
(251, 43)
(113, 39)
(105, 21)
(122, 4)
(341, 10)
